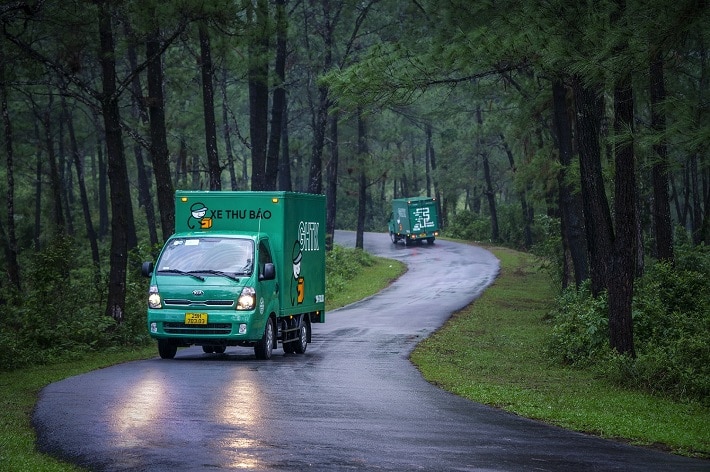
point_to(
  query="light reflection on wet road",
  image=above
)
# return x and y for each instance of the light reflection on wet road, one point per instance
(353, 401)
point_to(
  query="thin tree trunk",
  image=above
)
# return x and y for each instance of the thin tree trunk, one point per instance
(662, 227)
(65, 184)
(621, 286)
(570, 203)
(331, 189)
(11, 253)
(140, 113)
(102, 180)
(320, 113)
(525, 209)
(158, 137)
(278, 105)
(597, 217)
(56, 185)
(490, 193)
(362, 180)
(285, 157)
(214, 170)
(441, 209)
(38, 193)
(117, 171)
(258, 95)
(83, 194)
(227, 131)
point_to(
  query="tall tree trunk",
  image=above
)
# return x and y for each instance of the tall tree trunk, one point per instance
(140, 113)
(570, 202)
(621, 282)
(278, 105)
(102, 179)
(525, 209)
(227, 132)
(490, 193)
(320, 113)
(83, 194)
(65, 181)
(431, 153)
(38, 193)
(56, 184)
(331, 189)
(117, 171)
(597, 217)
(158, 137)
(362, 180)
(662, 227)
(258, 94)
(11, 253)
(214, 170)
(285, 182)
(491, 197)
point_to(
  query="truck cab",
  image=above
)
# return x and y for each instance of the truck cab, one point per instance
(235, 280)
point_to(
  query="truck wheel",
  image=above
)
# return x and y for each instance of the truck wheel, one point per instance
(430, 240)
(264, 348)
(208, 349)
(394, 238)
(220, 349)
(300, 346)
(166, 349)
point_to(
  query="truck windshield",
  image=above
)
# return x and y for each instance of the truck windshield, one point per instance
(215, 256)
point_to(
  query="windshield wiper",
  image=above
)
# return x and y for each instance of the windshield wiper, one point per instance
(182, 272)
(218, 272)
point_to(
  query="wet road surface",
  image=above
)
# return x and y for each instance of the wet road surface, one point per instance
(351, 402)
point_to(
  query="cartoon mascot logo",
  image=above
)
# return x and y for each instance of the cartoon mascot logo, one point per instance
(197, 214)
(298, 290)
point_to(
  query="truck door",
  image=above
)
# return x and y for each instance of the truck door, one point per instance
(268, 289)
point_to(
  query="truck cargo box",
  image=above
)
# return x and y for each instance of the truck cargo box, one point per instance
(414, 219)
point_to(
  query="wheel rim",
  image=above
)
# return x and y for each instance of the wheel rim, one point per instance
(303, 338)
(269, 339)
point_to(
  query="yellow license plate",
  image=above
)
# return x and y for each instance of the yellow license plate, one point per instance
(196, 318)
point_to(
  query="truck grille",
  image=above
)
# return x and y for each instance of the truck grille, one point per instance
(185, 302)
(209, 328)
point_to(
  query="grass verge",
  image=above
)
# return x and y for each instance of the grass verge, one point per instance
(19, 389)
(499, 360)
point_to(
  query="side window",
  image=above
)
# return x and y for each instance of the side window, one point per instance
(264, 255)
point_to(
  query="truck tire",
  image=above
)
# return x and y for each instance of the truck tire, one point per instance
(220, 349)
(300, 346)
(264, 347)
(430, 240)
(394, 237)
(208, 349)
(166, 349)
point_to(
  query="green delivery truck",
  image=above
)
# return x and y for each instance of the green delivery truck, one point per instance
(414, 219)
(242, 269)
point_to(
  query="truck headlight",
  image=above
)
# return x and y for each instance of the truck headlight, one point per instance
(247, 299)
(154, 297)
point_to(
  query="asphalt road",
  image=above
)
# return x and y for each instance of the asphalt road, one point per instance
(351, 402)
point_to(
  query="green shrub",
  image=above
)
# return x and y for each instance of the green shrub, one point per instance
(468, 226)
(671, 316)
(343, 264)
(60, 312)
(580, 327)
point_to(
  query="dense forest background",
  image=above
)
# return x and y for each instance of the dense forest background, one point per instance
(578, 130)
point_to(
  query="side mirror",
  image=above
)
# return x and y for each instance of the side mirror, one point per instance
(269, 272)
(147, 269)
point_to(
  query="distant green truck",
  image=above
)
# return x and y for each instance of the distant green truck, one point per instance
(414, 219)
(242, 269)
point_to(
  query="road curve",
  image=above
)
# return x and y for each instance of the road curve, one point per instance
(351, 402)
